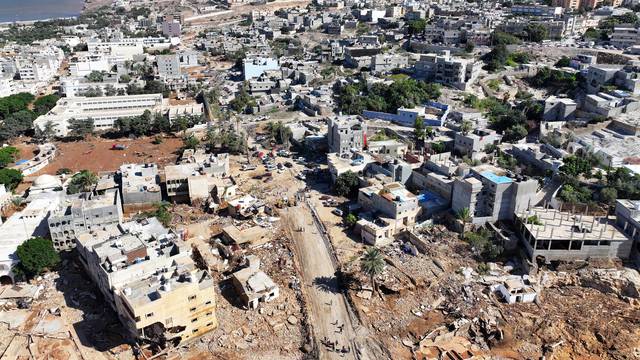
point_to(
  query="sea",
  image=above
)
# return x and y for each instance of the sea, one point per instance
(25, 10)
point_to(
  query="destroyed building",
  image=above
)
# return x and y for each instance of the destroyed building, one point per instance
(147, 275)
(253, 285)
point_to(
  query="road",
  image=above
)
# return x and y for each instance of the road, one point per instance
(330, 315)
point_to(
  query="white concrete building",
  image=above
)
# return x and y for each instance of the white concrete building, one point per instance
(103, 110)
(28, 223)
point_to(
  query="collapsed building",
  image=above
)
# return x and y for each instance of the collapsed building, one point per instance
(147, 275)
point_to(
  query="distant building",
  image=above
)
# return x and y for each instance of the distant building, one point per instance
(475, 142)
(190, 176)
(171, 28)
(446, 70)
(625, 36)
(433, 114)
(168, 65)
(346, 133)
(146, 274)
(253, 67)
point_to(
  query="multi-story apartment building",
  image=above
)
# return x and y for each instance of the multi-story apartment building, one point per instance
(475, 141)
(393, 209)
(187, 177)
(171, 28)
(346, 133)
(147, 275)
(625, 35)
(39, 64)
(443, 69)
(168, 66)
(83, 212)
(491, 196)
(103, 110)
(140, 184)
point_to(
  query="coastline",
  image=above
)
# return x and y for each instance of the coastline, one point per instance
(87, 6)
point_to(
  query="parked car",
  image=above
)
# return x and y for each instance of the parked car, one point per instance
(337, 212)
(247, 167)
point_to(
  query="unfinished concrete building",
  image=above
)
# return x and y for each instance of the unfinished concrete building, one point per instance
(490, 195)
(147, 275)
(140, 184)
(553, 234)
(83, 212)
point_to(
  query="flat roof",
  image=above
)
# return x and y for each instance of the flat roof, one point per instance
(498, 179)
(558, 225)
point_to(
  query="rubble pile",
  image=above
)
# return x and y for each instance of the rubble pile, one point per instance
(442, 305)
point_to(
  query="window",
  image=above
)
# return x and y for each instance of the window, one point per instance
(192, 297)
(149, 315)
(194, 320)
(192, 309)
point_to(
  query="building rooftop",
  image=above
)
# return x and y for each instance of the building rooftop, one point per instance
(498, 179)
(558, 225)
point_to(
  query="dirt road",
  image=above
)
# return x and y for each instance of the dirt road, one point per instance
(331, 318)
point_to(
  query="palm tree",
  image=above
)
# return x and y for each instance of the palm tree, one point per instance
(372, 264)
(465, 216)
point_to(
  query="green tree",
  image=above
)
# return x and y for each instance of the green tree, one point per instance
(515, 133)
(608, 195)
(8, 155)
(83, 181)
(43, 104)
(536, 32)
(466, 126)
(190, 142)
(563, 62)
(415, 27)
(36, 255)
(350, 220)
(419, 130)
(464, 215)
(45, 133)
(372, 264)
(95, 76)
(469, 47)
(10, 178)
(16, 124)
(124, 79)
(347, 184)
(279, 132)
(80, 128)
(438, 147)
